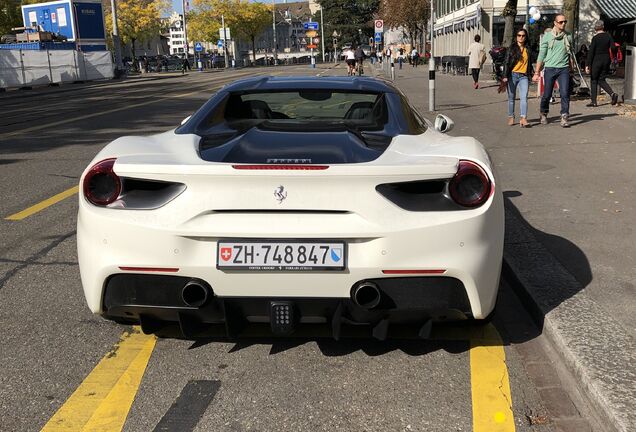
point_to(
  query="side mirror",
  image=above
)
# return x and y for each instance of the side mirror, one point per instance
(443, 124)
(185, 119)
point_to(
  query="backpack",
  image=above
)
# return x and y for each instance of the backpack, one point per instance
(619, 54)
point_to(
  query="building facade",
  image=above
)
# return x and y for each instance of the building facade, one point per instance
(458, 21)
(290, 33)
(176, 34)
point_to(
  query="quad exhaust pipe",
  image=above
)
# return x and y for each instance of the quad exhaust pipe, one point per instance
(196, 293)
(366, 295)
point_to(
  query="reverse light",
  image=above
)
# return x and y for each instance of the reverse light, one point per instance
(101, 185)
(470, 187)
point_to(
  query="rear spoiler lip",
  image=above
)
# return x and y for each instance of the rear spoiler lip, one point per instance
(437, 170)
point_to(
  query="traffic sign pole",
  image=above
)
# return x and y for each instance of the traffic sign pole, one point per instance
(322, 35)
(431, 65)
(224, 41)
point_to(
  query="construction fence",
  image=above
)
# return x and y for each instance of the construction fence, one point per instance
(27, 68)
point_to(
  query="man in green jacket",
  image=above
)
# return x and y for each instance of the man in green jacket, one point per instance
(554, 54)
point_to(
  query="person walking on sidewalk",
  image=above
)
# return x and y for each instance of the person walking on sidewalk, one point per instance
(554, 53)
(476, 58)
(598, 63)
(517, 73)
(415, 57)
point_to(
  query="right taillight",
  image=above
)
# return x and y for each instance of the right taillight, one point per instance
(101, 185)
(470, 187)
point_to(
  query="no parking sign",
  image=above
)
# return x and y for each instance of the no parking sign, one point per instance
(379, 26)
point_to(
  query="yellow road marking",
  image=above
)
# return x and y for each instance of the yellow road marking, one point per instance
(492, 401)
(43, 204)
(103, 400)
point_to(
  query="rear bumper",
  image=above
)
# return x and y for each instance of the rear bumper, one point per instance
(155, 301)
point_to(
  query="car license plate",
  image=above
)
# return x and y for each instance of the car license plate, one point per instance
(281, 255)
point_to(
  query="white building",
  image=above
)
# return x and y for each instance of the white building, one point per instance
(176, 35)
(458, 21)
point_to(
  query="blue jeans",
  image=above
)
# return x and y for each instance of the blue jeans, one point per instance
(562, 76)
(521, 81)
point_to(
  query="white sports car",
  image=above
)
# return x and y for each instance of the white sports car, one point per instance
(291, 202)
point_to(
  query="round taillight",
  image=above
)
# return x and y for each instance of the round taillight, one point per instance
(101, 185)
(470, 187)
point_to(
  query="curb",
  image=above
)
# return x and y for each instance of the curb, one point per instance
(594, 346)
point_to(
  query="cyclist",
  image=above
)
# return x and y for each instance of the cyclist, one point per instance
(351, 61)
(359, 57)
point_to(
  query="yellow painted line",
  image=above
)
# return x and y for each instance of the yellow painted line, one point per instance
(43, 204)
(67, 193)
(491, 397)
(103, 400)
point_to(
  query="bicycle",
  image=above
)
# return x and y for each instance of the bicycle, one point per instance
(359, 67)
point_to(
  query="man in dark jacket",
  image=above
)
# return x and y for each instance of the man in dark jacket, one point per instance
(359, 54)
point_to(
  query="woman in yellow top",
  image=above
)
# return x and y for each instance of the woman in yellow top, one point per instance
(517, 73)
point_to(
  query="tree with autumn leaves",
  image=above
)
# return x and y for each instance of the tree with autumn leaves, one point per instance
(10, 15)
(244, 18)
(137, 20)
(410, 15)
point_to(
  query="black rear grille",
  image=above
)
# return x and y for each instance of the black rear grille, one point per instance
(421, 196)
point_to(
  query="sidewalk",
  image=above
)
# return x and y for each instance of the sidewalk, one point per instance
(569, 195)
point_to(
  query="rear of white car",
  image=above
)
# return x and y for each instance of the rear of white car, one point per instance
(396, 240)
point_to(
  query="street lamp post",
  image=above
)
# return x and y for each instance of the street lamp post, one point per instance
(116, 44)
(224, 41)
(322, 34)
(274, 27)
(431, 64)
(185, 31)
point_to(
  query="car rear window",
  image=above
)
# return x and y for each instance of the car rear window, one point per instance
(303, 107)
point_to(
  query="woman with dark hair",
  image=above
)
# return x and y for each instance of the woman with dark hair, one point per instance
(598, 62)
(517, 72)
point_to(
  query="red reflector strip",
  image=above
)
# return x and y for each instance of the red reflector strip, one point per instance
(281, 167)
(413, 271)
(151, 269)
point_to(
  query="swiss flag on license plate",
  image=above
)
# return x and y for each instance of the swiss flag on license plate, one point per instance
(226, 253)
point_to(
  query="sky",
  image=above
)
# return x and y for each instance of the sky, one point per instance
(177, 5)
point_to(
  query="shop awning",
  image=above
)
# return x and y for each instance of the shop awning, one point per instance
(618, 9)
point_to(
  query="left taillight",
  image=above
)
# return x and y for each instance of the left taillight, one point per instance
(101, 185)
(470, 187)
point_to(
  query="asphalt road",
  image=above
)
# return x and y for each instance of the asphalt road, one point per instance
(57, 358)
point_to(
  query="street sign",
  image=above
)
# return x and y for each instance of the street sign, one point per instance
(316, 40)
(198, 47)
(227, 33)
(219, 43)
(311, 33)
(312, 46)
(310, 26)
(379, 26)
(378, 38)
